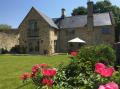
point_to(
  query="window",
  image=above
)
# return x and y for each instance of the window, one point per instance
(105, 30)
(72, 32)
(66, 32)
(55, 41)
(32, 24)
(37, 46)
(31, 49)
(33, 29)
(41, 41)
(55, 33)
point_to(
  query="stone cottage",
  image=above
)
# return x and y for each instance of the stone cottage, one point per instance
(40, 34)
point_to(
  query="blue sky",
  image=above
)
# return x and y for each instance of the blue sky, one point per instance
(12, 12)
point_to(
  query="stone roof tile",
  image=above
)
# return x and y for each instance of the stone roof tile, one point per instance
(100, 19)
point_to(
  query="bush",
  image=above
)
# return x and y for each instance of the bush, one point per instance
(99, 53)
(15, 49)
(80, 73)
(90, 68)
(3, 51)
(42, 76)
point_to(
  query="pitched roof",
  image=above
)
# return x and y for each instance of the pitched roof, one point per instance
(100, 19)
(47, 19)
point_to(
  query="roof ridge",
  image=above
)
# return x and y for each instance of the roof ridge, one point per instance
(46, 18)
(84, 15)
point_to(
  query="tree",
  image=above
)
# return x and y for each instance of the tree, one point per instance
(101, 7)
(79, 11)
(5, 26)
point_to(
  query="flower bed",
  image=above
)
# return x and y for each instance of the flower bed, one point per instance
(90, 68)
(42, 75)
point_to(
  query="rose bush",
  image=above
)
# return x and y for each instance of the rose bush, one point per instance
(42, 75)
(90, 68)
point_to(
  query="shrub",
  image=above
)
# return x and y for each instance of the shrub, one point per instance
(99, 53)
(90, 68)
(80, 73)
(3, 51)
(15, 49)
(42, 76)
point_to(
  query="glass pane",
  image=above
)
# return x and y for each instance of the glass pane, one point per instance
(32, 25)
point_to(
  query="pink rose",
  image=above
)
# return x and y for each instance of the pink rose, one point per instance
(107, 72)
(35, 68)
(25, 76)
(99, 67)
(48, 82)
(101, 87)
(74, 53)
(49, 72)
(103, 70)
(111, 85)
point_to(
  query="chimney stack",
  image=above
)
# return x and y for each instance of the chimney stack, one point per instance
(63, 13)
(90, 21)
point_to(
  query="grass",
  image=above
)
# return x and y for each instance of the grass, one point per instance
(11, 68)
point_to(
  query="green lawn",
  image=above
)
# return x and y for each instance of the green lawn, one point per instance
(11, 67)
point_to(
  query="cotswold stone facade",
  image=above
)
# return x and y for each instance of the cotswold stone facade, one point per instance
(97, 36)
(36, 35)
(40, 34)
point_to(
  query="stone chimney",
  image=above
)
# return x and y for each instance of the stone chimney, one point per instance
(90, 22)
(62, 13)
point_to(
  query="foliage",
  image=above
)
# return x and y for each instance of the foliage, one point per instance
(101, 7)
(3, 51)
(79, 11)
(42, 76)
(80, 73)
(100, 53)
(15, 49)
(88, 69)
(4, 26)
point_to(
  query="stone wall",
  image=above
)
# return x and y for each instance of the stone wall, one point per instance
(9, 38)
